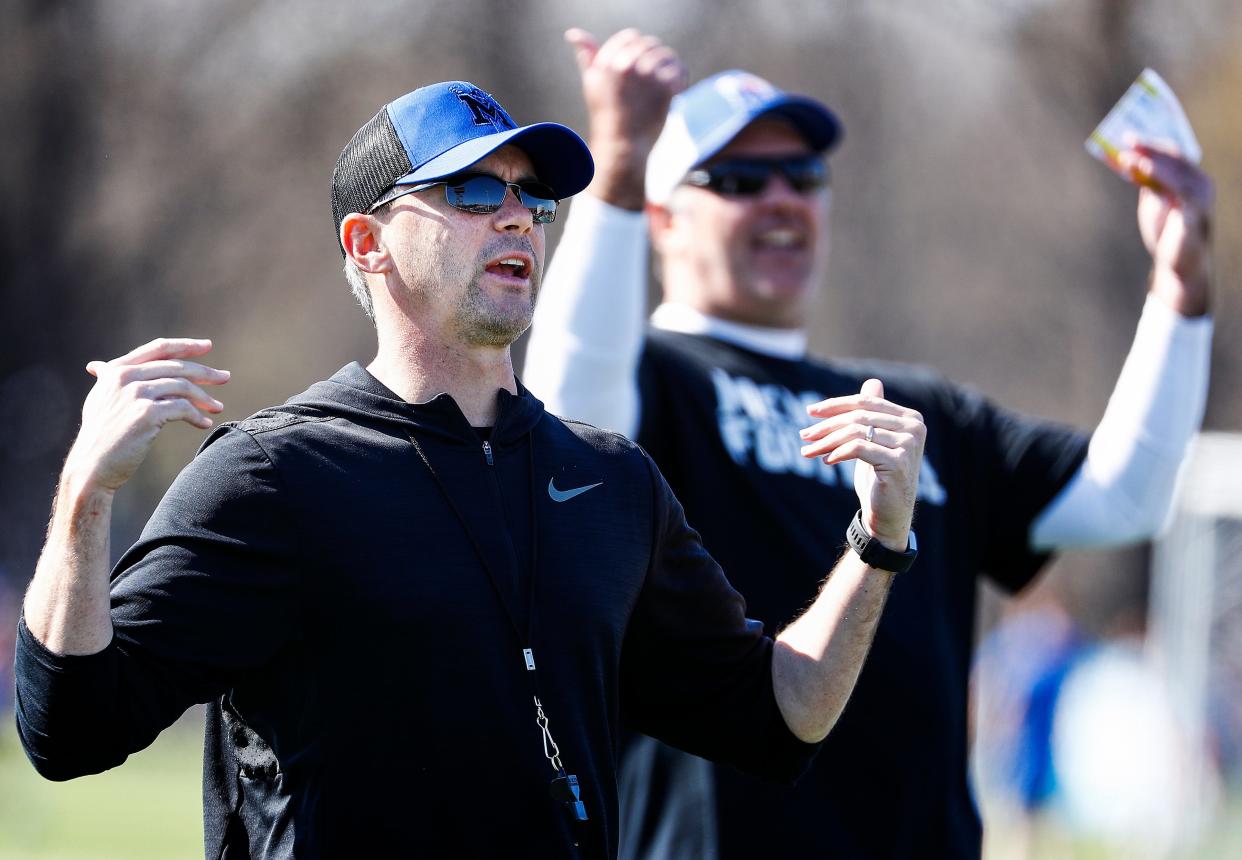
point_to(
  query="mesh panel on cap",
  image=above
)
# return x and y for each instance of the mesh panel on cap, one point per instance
(372, 160)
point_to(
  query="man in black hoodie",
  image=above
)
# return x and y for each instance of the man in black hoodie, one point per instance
(417, 605)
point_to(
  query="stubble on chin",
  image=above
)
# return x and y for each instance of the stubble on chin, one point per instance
(483, 322)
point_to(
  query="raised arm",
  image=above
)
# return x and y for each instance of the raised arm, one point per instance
(817, 658)
(587, 334)
(67, 604)
(1124, 489)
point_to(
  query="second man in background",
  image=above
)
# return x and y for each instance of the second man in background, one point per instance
(736, 204)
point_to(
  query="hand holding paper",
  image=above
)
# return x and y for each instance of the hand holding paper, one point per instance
(1148, 113)
(1148, 140)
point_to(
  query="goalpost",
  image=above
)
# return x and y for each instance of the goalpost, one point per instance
(1194, 636)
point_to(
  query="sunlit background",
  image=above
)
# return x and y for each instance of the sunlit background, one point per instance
(166, 169)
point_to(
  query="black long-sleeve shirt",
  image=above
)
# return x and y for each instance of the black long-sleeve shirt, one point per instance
(349, 581)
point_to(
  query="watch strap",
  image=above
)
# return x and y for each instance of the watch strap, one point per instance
(877, 555)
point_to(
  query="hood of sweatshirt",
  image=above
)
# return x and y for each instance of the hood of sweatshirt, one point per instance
(352, 392)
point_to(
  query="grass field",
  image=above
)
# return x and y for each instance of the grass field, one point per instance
(150, 808)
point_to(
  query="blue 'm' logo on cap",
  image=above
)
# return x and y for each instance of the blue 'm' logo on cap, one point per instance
(484, 109)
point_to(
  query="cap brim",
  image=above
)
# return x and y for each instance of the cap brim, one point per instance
(559, 156)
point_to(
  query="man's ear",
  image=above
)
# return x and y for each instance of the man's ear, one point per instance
(360, 239)
(659, 223)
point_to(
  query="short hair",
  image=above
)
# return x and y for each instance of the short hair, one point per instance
(359, 287)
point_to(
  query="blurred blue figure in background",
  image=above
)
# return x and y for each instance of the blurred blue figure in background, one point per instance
(1020, 670)
(1078, 739)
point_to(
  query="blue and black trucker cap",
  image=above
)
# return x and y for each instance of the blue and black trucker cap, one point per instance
(703, 119)
(442, 129)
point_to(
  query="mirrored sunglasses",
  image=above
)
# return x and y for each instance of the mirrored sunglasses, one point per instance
(744, 177)
(483, 194)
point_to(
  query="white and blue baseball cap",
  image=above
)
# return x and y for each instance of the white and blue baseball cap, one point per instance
(703, 119)
(442, 129)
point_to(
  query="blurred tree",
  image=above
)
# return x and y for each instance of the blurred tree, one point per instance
(50, 55)
(166, 166)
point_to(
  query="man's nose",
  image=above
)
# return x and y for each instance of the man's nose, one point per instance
(513, 216)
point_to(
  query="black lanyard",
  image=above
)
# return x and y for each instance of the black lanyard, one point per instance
(564, 786)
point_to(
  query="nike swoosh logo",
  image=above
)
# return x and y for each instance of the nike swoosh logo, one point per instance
(566, 495)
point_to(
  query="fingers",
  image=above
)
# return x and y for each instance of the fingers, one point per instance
(630, 54)
(1166, 171)
(865, 402)
(672, 73)
(162, 357)
(154, 402)
(161, 412)
(153, 376)
(1175, 221)
(887, 440)
(864, 426)
(167, 389)
(888, 430)
(837, 446)
(849, 420)
(654, 56)
(191, 370)
(166, 347)
(882, 457)
(663, 65)
(133, 398)
(616, 44)
(585, 47)
(633, 55)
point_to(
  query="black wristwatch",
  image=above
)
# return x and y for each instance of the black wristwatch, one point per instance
(877, 555)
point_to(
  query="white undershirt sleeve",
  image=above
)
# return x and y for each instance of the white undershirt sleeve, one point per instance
(587, 335)
(1123, 491)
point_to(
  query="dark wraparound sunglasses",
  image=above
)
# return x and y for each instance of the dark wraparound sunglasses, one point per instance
(745, 177)
(482, 193)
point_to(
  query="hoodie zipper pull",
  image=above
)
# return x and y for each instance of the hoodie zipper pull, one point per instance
(487, 452)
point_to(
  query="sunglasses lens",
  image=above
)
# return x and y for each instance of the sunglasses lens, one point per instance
(747, 177)
(486, 194)
(539, 200)
(805, 174)
(743, 178)
(481, 194)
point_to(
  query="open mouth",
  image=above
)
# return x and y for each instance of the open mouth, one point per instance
(780, 239)
(510, 267)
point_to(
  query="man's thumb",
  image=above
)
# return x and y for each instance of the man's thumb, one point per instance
(873, 388)
(584, 45)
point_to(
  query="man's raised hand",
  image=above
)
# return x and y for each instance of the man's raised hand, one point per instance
(1175, 219)
(886, 441)
(627, 83)
(133, 398)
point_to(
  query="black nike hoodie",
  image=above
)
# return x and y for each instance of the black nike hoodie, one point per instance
(351, 582)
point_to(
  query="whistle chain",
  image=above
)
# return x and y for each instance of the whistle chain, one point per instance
(550, 750)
